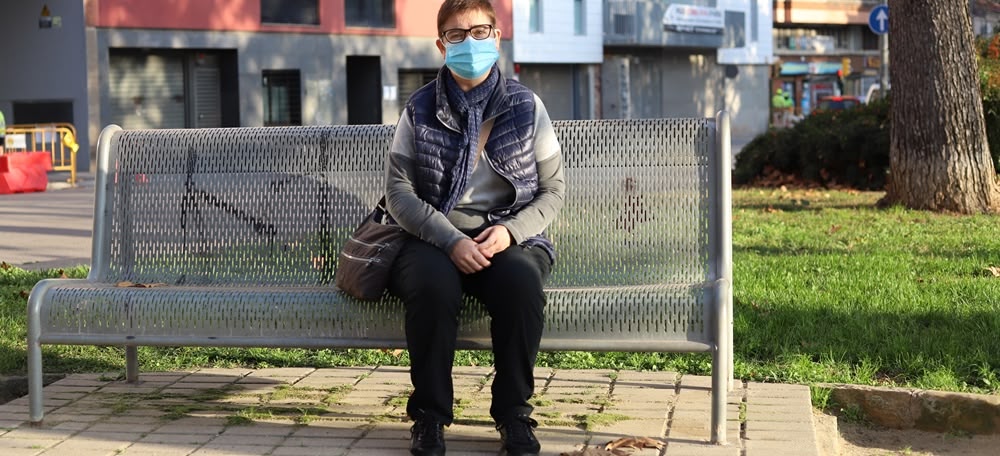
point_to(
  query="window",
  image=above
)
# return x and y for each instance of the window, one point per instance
(305, 12)
(370, 13)
(820, 39)
(579, 18)
(412, 79)
(282, 97)
(736, 31)
(535, 16)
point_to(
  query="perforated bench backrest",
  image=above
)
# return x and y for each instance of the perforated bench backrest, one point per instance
(270, 206)
(637, 240)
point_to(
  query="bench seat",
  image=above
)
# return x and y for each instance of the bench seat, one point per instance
(616, 318)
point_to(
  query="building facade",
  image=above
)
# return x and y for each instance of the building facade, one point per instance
(685, 58)
(43, 65)
(985, 17)
(227, 63)
(557, 51)
(218, 63)
(825, 48)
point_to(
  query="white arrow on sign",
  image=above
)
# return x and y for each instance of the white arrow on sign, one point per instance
(881, 18)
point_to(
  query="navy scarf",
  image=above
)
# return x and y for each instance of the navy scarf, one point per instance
(471, 106)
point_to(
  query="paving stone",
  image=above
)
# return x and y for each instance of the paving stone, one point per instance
(13, 416)
(155, 449)
(8, 444)
(96, 441)
(308, 451)
(80, 422)
(176, 428)
(772, 448)
(182, 439)
(318, 442)
(296, 372)
(332, 429)
(645, 428)
(232, 450)
(788, 435)
(378, 452)
(220, 371)
(263, 427)
(791, 426)
(701, 449)
(491, 446)
(242, 439)
(69, 426)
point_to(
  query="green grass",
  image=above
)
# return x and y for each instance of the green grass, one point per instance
(827, 289)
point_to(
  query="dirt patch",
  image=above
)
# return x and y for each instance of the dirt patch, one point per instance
(845, 438)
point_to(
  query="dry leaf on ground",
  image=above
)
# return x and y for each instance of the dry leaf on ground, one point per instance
(595, 451)
(634, 442)
(995, 270)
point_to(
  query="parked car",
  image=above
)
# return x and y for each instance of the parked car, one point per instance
(837, 103)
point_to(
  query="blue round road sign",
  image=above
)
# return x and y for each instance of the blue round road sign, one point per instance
(878, 20)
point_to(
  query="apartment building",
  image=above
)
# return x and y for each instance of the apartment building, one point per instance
(227, 63)
(688, 58)
(824, 48)
(557, 51)
(985, 17)
(218, 63)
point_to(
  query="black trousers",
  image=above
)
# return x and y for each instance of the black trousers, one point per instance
(431, 287)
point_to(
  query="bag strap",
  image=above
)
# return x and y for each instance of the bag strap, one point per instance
(484, 134)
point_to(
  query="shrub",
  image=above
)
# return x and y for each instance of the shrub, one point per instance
(851, 147)
(830, 148)
(988, 58)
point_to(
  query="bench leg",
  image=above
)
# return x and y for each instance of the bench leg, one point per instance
(35, 409)
(131, 364)
(720, 392)
(721, 364)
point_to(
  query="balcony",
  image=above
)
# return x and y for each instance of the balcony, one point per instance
(656, 24)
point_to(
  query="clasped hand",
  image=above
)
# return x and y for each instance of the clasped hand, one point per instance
(473, 255)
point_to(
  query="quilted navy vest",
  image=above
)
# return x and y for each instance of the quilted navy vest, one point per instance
(443, 165)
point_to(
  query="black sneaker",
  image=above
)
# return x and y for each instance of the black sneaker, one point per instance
(427, 438)
(518, 436)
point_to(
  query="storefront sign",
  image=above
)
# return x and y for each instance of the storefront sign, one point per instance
(693, 19)
(802, 68)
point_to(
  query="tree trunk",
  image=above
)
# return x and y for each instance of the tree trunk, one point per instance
(939, 157)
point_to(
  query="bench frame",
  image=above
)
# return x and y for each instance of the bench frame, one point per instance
(720, 266)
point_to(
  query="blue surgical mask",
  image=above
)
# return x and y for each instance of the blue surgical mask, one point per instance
(471, 58)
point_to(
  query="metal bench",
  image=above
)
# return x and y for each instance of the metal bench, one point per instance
(233, 235)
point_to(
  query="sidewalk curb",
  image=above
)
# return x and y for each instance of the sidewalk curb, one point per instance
(925, 410)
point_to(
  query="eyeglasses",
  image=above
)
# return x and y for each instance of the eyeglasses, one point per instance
(457, 35)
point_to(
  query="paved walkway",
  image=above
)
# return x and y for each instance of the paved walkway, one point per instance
(355, 411)
(50, 229)
(361, 411)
